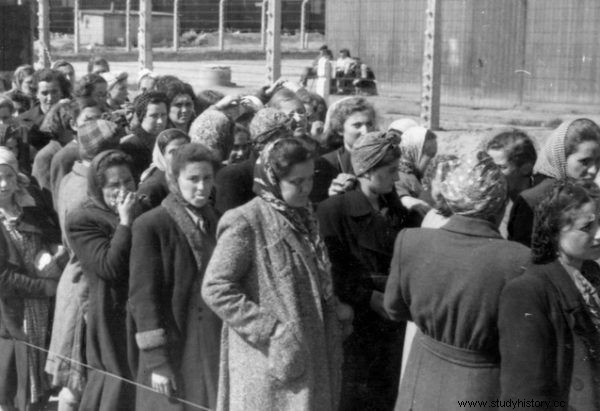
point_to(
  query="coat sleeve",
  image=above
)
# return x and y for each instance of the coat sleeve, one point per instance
(15, 284)
(528, 345)
(100, 253)
(346, 268)
(223, 285)
(394, 302)
(520, 222)
(145, 282)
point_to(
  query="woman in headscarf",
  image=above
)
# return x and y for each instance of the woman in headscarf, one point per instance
(550, 316)
(448, 281)
(214, 129)
(153, 183)
(269, 280)
(359, 228)
(12, 137)
(100, 234)
(29, 273)
(571, 152)
(419, 147)
(177, 335)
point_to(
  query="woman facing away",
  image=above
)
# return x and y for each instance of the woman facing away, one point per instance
(448, 281)
(549, 320)
(29, 276)
(177, 335)
(571, 152)
(269, 280)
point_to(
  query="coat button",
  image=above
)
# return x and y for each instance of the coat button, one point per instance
(577, 384)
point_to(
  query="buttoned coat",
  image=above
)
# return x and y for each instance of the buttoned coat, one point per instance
(545, 330)
(262, 275)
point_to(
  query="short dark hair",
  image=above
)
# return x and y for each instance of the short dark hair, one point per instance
(175, 88)
(86, 84)
(517, 145)
(317, 103)
(345, 51)
(49, 76)
(580, 130)
(553, 213)
(163, 82)
(61, 63)
(285, 154)
(19, 97)
(142, 101)
(97, 61)
(112, 159)
(340, 112)
(192, 153)
(171, 134)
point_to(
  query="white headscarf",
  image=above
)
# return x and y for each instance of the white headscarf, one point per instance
(22, 197)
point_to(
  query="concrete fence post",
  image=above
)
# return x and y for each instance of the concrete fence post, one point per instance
(274, 41)
(430, 94)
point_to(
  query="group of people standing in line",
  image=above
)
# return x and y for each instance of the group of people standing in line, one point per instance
(266, 252)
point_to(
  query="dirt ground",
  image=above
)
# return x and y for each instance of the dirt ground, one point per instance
(463, 127)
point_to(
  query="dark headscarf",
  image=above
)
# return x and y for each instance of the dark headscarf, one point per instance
(370, 149)
(97, 169)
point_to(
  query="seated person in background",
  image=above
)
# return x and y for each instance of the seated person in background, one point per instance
(311, 72)
(419, 146)
(364, 79)
(98, 65)
(513, 151)
(344, 71)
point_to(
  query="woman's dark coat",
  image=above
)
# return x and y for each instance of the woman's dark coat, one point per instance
(360, 242)
(545, 331)
(520, 223)
(154, 188)
(103, 245)
(175, 331)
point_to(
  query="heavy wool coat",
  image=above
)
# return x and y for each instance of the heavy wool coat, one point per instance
(175, 332)
(545, 330)
(262, 275)
(103, 247)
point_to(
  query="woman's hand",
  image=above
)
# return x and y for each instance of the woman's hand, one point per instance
(342, 183)
(125, 207)
(376, 304)
(415, 204)
(345, 315)
(227, 102)
(163, 385)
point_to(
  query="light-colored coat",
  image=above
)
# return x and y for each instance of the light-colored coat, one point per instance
(262, 274)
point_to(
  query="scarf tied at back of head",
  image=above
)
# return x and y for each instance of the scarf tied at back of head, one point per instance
(473, 186)
(411, 146)
(301, 219)
(370, 149)
(21, 197)
(158, 152)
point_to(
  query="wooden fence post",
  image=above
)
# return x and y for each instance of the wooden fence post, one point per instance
(145, 35)
(44, 33)
(263, 24)
(221, 25)
(303, 8)
(274, 41)
(430, 96)
(175, 25)
(76, 26)
(127, 25)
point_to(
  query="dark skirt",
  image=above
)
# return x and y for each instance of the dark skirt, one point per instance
(439, 375)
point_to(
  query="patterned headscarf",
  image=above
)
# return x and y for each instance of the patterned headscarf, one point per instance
(22, 197)
(473, 186)
(369, 150)
(213, 129)
(266, 124)
(95, 136)
(158, 153)
(413, 141)
(302, 219)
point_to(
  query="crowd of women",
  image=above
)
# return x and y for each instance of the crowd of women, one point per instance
(194, 250)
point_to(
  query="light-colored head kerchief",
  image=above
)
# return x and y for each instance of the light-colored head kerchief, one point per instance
(369, 150)
(473, 186)
(146, 73)
(22, 197)
(158, 156)
(552, 161)
(413, 141)
(113, 78)
(402, 124)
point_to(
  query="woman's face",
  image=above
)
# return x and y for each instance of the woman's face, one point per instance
(195, 182)
(13, 145)
(28, 86)
(181, 110)
(8, 183)
(297, 185)
(429, 152)
(48, 94)
(382, 180)
(118, 183)
(356, 125)
(100, 93)
(118, 92)
(155, 119)
(577, 240)
(147, 84)
(171, 147)
(5, 115)
(583, 164)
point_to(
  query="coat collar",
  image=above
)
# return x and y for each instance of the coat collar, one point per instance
(357, 204)
(471, 226)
